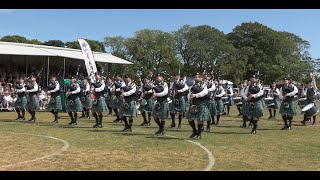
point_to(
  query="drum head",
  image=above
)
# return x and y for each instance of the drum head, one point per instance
(268, 98)
(307, 107)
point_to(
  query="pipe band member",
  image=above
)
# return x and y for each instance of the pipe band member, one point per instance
(218, 94)
(55, 99)
(21, 102)
(161, 107)
(99, 104)
(274, 93)
(211, 103)
(198, 110)
(86, 99)
(74, 103)
(310, 93)
(115, 97)
(33, 103)
(288, 106)
(253, 95)
(129, 104)
(147, 102)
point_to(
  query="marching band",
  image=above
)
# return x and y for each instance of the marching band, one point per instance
(202, 101)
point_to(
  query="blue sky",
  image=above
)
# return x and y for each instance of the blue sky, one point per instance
(68, 25)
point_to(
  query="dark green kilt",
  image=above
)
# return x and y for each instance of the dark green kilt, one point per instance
(131, 110)
(21, 102)
(181, 108)
(245, 108)
(211, 104)
(163, 112)
(108, 99)
(33, 102)
(257, 110)
(100, 105)
(148, 107)
(219, 106)
(76, 107)
(56, 103)
(86, 101)
(276, 104)
(115, 102)
(292, 110)
(203, 113)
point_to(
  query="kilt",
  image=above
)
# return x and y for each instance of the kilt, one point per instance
(101, 105)
(56, 105)
(115, 102)
(211, 104)
(203, 113)
(276, 104)
(187, 105)
(148, 107)
(181, 108)
(32, 102)
(87, 101)
(219, 106)
(292, 110)
(21, 102)
(231, 102)
(108, 99)
(132, 109)
(77, 106)
(245, 108)
(163, 112)
(263, 103)
(257, 111)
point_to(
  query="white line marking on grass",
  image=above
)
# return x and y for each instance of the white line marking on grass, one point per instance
(59, 152)
(210, 156)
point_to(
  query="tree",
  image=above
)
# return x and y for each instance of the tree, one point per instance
(14, 38)
(56, 43)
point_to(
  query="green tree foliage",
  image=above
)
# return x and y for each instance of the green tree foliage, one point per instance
(14, 38)
(56, 43)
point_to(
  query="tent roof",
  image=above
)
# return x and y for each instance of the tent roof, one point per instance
(41, 50)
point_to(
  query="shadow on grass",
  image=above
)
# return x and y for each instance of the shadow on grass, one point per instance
(213, 132)
(166, 138)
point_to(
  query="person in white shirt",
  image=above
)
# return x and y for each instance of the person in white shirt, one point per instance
(33, 102)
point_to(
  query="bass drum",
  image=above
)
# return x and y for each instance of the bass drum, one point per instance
(310, 110)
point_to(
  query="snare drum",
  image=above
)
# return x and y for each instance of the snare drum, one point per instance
(269, 101)
(225, 100)
(237, 100)
(302, 102)
(310, 110)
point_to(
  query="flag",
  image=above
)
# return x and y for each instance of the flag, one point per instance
(88, 59)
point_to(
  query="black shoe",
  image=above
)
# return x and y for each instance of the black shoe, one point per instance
(202, 129)
(223, 114)
(213, 123)
(161, 133)
(32, 120)
(314, 123)
(73, 124)
(273, 117)
(158, 132)
(289, 128)
(70, 123)
(23, 119)
(125, 129)
(243, 125)
(18, 118)
(120, 121)
(148, 124)
(269, 117)
(197, 137)
(208, 129)
(95, 125)
(144, 122)
(303, 122)
(217, 124)
(250, 125)
(115, 121)
(99, 126)
(54, 122)
(240, 114)
(172, 125)
(284, 128)
(179, 126)
(193, 135)
(254, 132)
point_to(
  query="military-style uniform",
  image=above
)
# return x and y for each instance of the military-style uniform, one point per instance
(245, 107)
(218, 93)
(146, 103)
(161, 107)
(86, 100)
(115, 98)
(21, 101)
(55, 99)
(98, 104)
(275, 99)
(310, 93)
(32, 99)
(74, 103)
(108, 94)
(255, 109)
(288, 105)
(128, 105)
(211, 103)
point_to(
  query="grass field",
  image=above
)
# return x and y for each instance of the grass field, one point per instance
(233, 148)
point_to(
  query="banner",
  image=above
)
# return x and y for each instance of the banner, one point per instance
(88, 59)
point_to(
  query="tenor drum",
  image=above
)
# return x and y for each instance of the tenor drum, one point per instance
(237, 100)
(225, 100)
(310, 110)
(302, 102)
(269, 101)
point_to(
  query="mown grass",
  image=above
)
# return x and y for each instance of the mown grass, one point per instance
(233, 148)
